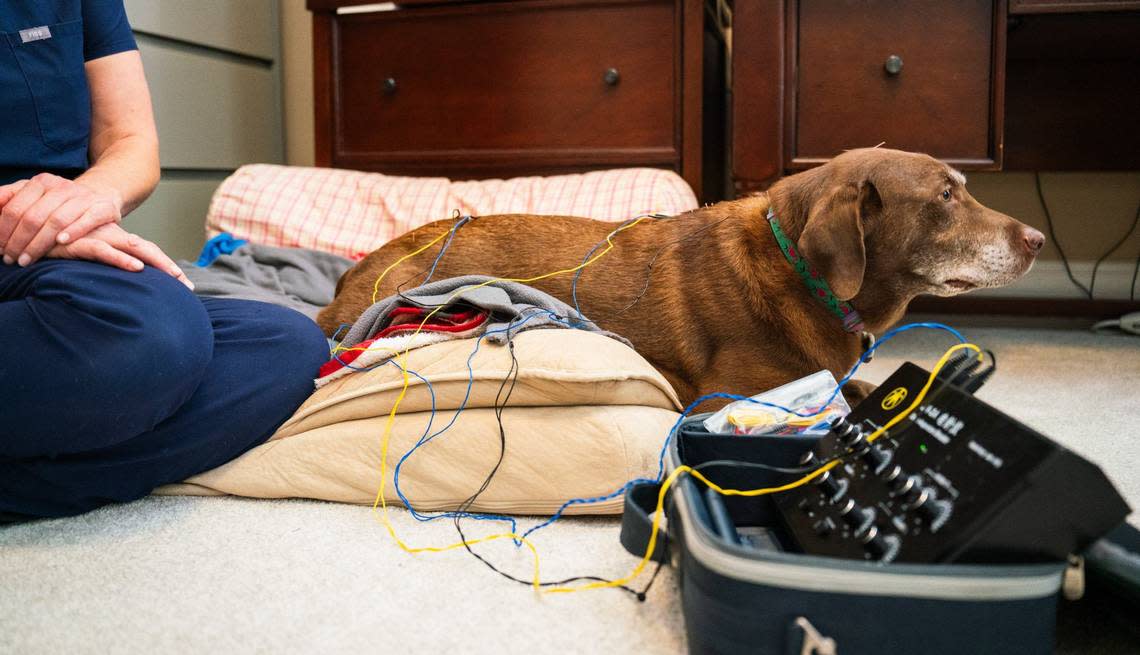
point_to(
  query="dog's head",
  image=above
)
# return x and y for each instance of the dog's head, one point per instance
(904, 223)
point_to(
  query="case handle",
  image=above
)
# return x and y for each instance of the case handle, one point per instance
(811, 642)
(637, 522)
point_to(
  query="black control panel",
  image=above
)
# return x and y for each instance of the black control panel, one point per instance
(955, 480)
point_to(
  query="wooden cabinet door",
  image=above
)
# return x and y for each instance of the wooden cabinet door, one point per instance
(911, 74)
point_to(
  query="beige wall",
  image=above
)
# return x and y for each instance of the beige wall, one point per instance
(297, 81)
(213, 72)
(1090, 210)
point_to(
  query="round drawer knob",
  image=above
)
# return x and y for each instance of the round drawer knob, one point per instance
(893, 65)
(389, 85)
(611, 76)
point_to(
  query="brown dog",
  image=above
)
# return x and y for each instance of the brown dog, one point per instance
(724, 310)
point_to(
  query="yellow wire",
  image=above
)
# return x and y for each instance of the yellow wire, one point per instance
(376, 286)
(680, 470)
(381, 501)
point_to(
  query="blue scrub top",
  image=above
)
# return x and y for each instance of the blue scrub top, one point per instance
(45, 105)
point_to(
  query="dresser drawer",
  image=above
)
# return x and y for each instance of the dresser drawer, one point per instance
(915, 75)
(508, 85)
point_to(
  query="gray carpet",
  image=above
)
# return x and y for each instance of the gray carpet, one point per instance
(232, 575)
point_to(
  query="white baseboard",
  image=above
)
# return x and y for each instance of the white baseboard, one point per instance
(1048, 280)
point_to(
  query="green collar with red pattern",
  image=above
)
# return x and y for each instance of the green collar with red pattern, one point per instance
(815, 283)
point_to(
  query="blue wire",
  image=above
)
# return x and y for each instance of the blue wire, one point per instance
(890, 334)
(515, 323)
(424, 439)
(454, 228)
(492, 517)
(865, 357)
(578, 273)
(585, 501)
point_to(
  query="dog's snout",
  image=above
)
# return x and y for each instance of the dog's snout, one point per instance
(1033, 239)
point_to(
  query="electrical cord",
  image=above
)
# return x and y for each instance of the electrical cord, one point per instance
(890, 334)
(653, 260)
(688, 470)
(1091, 288)
(865, 357)
(1135, 273)
(380, 505)
(648, 270)
(1108, 253)
(959, 366)
(521, 539)
(1053, 236)
(499, 406)
(516, 323)
(423, 439)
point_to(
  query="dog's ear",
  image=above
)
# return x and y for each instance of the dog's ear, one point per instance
(832, 239)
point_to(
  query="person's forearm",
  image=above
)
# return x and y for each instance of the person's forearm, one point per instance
(124, 141)
(127, 169)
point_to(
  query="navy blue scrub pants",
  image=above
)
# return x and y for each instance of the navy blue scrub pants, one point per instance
(113, 383)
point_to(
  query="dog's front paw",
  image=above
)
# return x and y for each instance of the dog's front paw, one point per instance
(855, 391)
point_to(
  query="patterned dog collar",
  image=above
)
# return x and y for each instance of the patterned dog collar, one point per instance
(818, 286)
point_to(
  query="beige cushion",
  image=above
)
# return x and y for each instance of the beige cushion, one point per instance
(587, 414)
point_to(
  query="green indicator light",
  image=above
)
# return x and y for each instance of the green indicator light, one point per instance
(922, 447)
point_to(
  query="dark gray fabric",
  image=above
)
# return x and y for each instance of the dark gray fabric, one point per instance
(510, 303)
(301, 279)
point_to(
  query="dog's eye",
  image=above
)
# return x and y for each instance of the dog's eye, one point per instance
(946, 195)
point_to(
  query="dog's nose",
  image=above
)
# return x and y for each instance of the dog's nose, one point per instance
(1034, 240)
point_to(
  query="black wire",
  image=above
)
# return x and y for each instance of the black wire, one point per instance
(653, 260)
(400, 286)
(1135, 273)
(1123, 238)
(499, 406)
(736, 463)
(1056, 242)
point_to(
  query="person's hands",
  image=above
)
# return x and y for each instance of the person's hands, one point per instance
(38, 214)
(114, 246)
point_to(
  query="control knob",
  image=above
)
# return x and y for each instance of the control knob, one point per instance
(903, 485)
(833, 488)
(877, 458)
(859, 518)
(808, 458)
(849, 434)
(934, 510)
(880, 547)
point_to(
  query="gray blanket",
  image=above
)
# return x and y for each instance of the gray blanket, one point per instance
(301, 279)
(515, 307)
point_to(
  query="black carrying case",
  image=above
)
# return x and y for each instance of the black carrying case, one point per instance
(756, 599)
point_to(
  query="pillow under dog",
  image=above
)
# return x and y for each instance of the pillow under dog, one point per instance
(587, 414)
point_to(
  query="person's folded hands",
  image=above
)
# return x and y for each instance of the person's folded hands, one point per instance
(112, 245)
(47, 210)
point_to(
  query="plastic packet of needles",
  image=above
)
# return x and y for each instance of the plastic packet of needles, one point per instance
(810, 400)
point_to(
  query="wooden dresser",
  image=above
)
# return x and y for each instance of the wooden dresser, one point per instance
(982, 84)
(470, 89)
